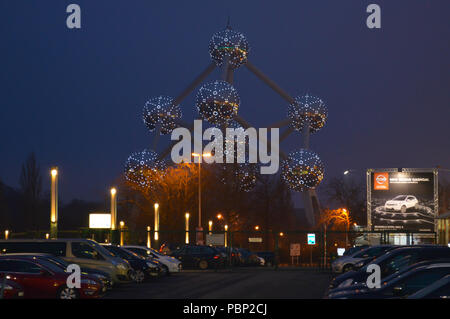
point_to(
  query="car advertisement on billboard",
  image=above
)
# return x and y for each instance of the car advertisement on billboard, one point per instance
(403, 200)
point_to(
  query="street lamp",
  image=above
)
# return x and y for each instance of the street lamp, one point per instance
(219, 216)
(187, 228)
(199, 228)
(6, 234)
(54, 203)
(149, 239)
(210, 226)
(122, 225)
(256, 227)
(156, 221)
(113, 192)
(226, 235)
(47, 236)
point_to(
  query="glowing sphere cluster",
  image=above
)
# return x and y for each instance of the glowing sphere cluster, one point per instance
(305, 109)
(302, 170)
(161, 110)
(247, 174)
(142, 167)
(217, 102)
(229, 44)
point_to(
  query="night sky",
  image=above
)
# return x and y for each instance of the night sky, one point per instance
(75, 97)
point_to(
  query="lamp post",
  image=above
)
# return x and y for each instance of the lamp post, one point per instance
(113, 208)
(6, 234)
(149, 239)
(226, 235)
(122, 225)
(199, 228)
(186, 240)
(54, 203)
(345, 213)
(210, 223)
(156, 236)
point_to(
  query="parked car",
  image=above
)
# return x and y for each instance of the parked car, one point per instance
(168, 248)
(393, 261)
(83, 252)
(348, 285)
(440, 289)
(198, 256)
(142, 269)
(401, 203)
(172, 264)
(402, 286)
(249, 258)
(347, 262)
(43, 279)
(10, 289)
(104, 277)
(269, 257)
(354, 250)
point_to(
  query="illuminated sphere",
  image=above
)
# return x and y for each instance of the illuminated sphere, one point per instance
(217, 102)
(161, 110)
(302, 170)
(142, 167)
(231, 44)
(307, 108)
(247, 176)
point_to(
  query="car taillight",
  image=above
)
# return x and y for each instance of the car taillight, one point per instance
(216, 257)
(232, 254)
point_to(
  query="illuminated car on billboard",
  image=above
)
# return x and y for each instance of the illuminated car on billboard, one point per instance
(401, 203)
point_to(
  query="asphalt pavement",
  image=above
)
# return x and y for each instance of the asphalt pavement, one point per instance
(235, 284)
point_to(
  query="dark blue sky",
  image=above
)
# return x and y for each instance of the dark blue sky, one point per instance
(75, 97)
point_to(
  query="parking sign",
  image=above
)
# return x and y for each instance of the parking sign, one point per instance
(311, 239)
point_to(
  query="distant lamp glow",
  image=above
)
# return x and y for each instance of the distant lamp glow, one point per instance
(226, 235)
(281, 234)
(54, 203)
(219, 216)
(210, 223)
(346, 172)
(186, 240)
(156, 234)
(149, 239)
(113, 223)
(47, 236)
(122, 225)
(256, 227)
(6, 234)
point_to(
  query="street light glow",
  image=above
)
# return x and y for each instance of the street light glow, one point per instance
(156, 205)
(219, 216)
(6, 234)
(346, 172)
(113, 191)
(54, 172)
(256, 227)
(281, 234)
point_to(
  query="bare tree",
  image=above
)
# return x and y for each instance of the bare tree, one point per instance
(349, 194)
(31, 187)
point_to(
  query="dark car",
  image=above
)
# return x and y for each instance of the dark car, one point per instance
(349, 287)
(43, 279)
(248, 258)
(231, 255)
(393, 261)
(440, 289)
(104, 277)
(198, 256)
(10, 289)
(402, 286)
(268, 256)
(142, 268)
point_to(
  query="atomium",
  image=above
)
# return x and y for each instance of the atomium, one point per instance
(141, 168)
(302, 170)
(229, 44)
(247, 176)
(306, 109)
(217, 102)
(161, 111)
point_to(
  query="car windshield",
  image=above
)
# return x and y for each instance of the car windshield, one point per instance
(51, 266)
(400, 197)
(101, 249)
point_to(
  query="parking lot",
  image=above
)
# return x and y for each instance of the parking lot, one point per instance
(235, 284)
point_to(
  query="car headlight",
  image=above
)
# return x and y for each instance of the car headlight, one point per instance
(346, 283)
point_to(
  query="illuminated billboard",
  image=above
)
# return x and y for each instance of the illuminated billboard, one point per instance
(99, 220)
(402, 199)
